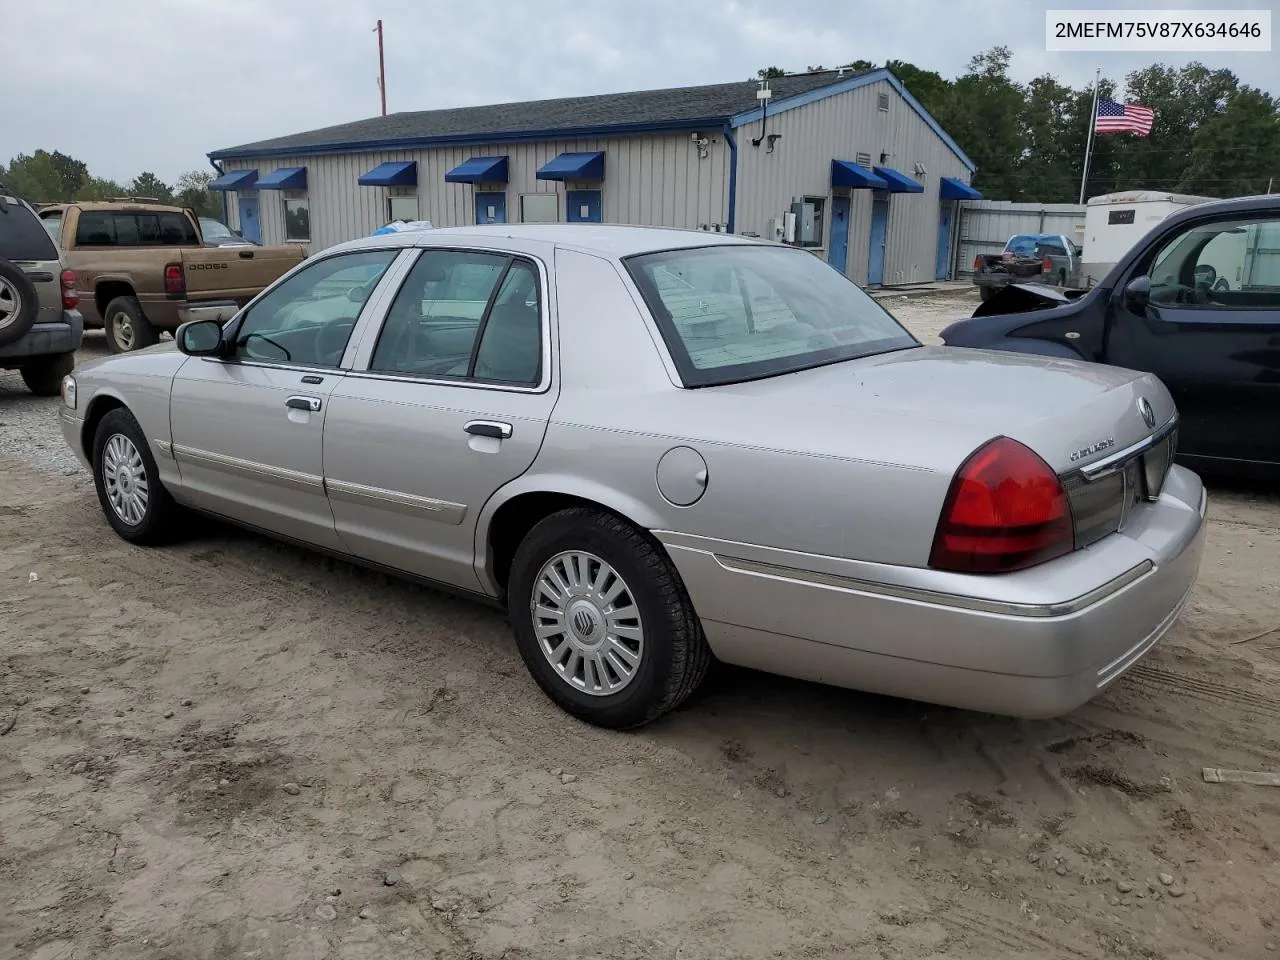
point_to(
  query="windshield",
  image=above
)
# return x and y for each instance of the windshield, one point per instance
(733, 313)
(215, 230)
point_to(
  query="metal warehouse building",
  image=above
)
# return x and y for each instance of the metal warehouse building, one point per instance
(872, 178)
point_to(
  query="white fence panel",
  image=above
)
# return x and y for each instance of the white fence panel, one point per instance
(987, 225)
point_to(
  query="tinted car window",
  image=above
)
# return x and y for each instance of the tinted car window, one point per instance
(431, 329)
(1024, 244)
(1226, 264)
(22, 237)
(99, 228)
(731, 313)
(309, 317)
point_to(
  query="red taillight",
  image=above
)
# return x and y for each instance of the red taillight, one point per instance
(69, 295)
(977, 262)
(1006, 510)
(1047, 266)
(175, 284)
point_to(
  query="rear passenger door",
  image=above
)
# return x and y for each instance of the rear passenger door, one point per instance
(447, 403)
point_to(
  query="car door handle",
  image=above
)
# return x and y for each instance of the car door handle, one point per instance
(311, 404)
(246, 254)
(488, 428)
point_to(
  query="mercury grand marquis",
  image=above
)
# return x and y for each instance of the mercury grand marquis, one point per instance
(655, 447)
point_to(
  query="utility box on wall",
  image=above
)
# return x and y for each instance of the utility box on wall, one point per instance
(803, 212)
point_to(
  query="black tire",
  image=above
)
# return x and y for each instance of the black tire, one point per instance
(675, 657)
(1062, 278)
(19, 303)
(160, 519)
(986, 293)
(43, 375)
(127, 326)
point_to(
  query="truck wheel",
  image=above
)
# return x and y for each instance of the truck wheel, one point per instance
(43, 375)
(127, 326)
(19, 304)
(1062, 278)
(602, 620)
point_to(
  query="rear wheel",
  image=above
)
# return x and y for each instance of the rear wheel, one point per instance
(602, 620)
(43, 375)
(135, 502)
(127, 326)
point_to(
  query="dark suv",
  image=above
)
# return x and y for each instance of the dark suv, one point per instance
(40, 328)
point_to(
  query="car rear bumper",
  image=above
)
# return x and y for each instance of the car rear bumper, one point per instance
(43, 339)
(1037, 643)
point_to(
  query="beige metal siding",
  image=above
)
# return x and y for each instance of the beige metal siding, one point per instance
(656, 180)
(839, 128)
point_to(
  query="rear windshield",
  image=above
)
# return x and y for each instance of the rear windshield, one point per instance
(1025, 244)
(22, 236)
(142, 229)
(734, 313)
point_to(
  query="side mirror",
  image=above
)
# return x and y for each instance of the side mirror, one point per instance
(199, 338)
(1137, 293)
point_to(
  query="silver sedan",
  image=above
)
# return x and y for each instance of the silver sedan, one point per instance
(653, 447)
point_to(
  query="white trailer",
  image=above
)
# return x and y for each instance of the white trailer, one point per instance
(1114, 222)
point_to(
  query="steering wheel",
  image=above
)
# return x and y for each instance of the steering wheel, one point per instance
(331, 340)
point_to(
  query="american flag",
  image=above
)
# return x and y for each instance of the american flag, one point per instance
(1123, 118)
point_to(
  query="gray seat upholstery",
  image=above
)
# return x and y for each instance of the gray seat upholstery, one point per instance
(511, 348)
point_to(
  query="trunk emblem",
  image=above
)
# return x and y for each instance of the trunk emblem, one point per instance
(1148, 414)
(1093, 448)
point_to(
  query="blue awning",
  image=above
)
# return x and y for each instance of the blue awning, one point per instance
(391, 175)
(235, 180)
(574, 166)
(479, 170)
(951, 189)
(846, 173)
(286, 178)
(898, 182)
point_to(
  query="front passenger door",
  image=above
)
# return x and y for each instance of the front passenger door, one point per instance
(248, 429)
(452, 403)
(1210, 330)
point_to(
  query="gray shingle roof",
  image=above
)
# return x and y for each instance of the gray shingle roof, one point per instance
(715, 102)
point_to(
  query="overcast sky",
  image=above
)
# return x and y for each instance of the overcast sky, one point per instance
(131, 85)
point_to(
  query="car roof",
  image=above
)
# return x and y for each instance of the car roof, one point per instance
(97, 205)
(612, 240)
(1259, 203)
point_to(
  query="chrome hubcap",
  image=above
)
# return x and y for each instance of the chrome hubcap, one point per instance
(10, 303)
(122, 324)
(124, 476)
(587, 623)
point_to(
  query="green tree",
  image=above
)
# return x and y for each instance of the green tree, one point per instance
(1236, 152)
(147, 184)
(983, 114)
(98, 188)
(930, 88)
(44, 177)
(768, 73)
(192, 190)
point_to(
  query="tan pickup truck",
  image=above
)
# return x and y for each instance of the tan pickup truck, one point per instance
(142, 268)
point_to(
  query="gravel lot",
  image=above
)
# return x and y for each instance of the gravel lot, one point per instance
(232, 748)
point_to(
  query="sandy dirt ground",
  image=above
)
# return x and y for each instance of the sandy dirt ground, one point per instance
(232, 748)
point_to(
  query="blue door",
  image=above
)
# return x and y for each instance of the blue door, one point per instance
(250, 228)
(491, 208)
(879, 231)
(582, 206)
(944, 241)
(838, 249)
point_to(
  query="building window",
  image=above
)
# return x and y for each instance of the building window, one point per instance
(882, 102)
(539, 208)
(402, 208)
(297, 218)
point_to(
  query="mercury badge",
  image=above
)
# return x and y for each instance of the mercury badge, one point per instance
(1148, 414)
(1093, 448)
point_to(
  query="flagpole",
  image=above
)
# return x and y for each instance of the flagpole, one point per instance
(1088, 145)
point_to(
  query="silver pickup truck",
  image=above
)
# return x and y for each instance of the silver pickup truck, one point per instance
(1050, 258)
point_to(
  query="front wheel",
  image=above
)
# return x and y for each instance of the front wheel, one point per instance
(135, 502)
(602, 620)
